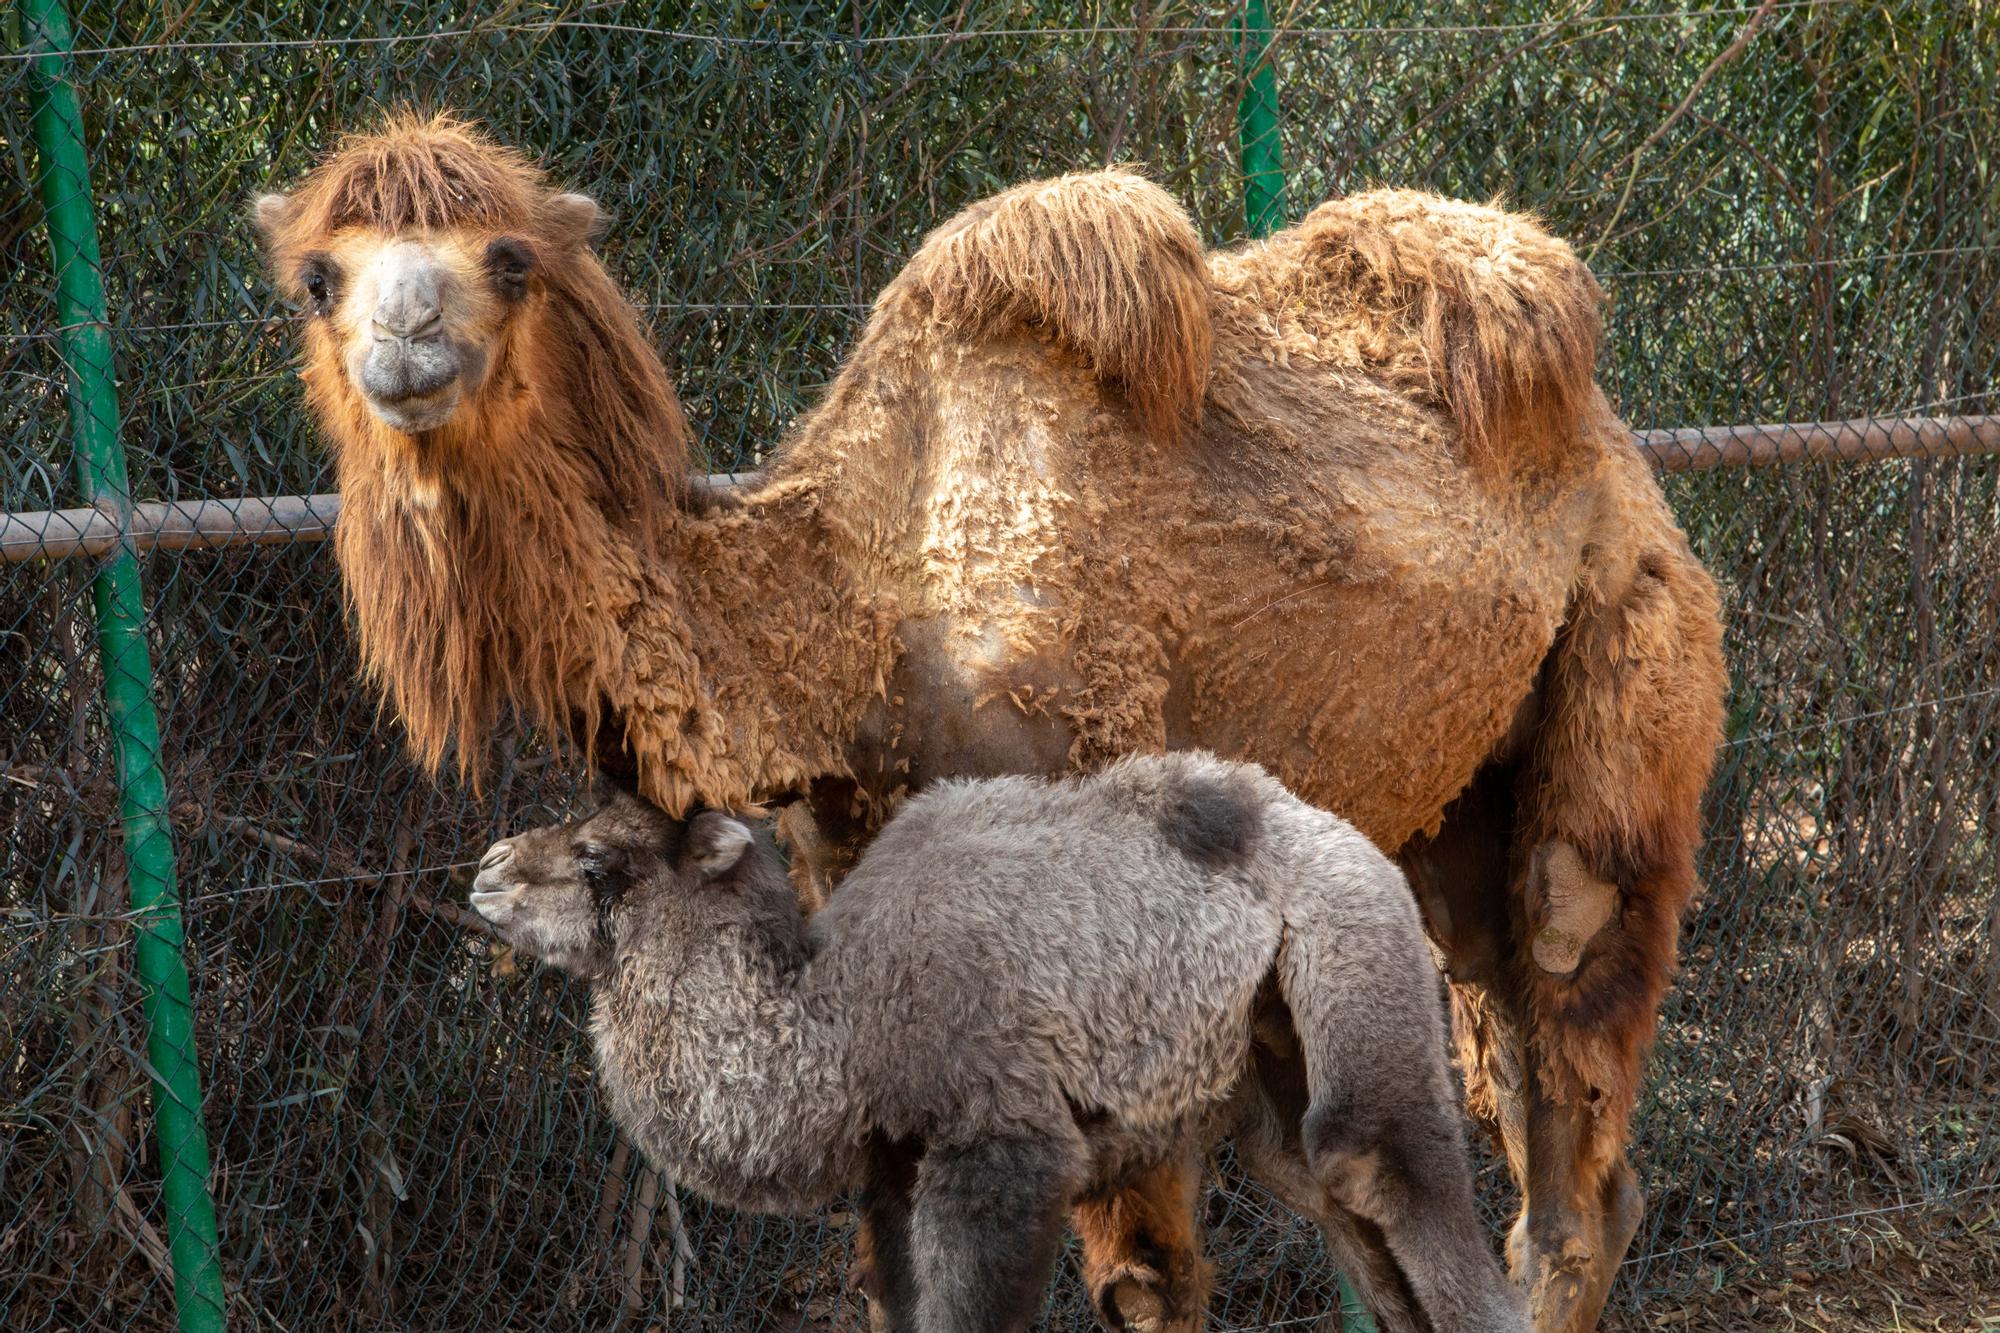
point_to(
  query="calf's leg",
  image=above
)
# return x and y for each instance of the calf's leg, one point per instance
(984, 1227)
(1408, 1175)
(1267, 1113)
(1382, 1133)
(883, 1240)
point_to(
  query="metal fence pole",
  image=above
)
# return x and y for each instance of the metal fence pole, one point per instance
(1257, 124)
(1264, 213)
(128, 676)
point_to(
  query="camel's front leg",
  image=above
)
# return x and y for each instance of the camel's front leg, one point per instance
(1141, 1255)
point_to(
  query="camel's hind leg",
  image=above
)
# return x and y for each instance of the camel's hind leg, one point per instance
(1141, 1254)
(1566, 1152)
(1558, 1061)
(1605, 821)
(1564, 1137)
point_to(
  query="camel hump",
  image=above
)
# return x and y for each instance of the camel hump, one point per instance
(1499, 318)
(1106, 262)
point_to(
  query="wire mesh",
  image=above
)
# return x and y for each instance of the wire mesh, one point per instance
(1798, 225)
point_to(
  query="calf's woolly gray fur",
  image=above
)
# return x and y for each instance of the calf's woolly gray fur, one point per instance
(1024, 992)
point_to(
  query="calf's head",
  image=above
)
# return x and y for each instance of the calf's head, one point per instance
(562, 892)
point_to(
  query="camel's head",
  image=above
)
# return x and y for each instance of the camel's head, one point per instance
(423, 253)
(506, 436)
(561, 893)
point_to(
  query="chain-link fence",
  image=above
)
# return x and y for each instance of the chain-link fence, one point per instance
(1794, 206)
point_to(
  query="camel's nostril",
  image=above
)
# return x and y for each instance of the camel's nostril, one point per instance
(495, 854)
(397, 330)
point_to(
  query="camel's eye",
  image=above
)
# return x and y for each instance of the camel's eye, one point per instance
(317, 279)
(510, 262)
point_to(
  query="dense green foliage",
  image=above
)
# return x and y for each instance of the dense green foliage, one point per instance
(1803, 227)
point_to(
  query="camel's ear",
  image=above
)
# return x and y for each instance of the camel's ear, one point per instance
(715, 842)
(268, 212)
(573, 220)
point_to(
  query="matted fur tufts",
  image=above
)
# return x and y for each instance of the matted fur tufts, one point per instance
(1506, 315)
(1106, 262)
(418, 171)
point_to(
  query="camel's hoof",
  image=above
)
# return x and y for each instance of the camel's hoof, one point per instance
(1137, 1301)
(1557, 1300)
(1137, 1307)
(1140, 1308)
(1557, 1308)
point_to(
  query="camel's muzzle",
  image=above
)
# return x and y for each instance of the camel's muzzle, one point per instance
(413, 383)
(406, 363)
(494, 900)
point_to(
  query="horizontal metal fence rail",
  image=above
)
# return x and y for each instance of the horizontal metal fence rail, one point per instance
(277, 520)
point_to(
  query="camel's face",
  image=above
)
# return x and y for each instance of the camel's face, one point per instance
(551, 892)
(415, 322)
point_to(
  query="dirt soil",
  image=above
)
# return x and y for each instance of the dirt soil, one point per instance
(1872, 1273)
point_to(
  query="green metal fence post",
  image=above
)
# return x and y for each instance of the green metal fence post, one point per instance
(1257, 123)
(1264, 213)
(128, 676)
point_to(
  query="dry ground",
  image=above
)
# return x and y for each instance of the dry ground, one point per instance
(1874, 1273)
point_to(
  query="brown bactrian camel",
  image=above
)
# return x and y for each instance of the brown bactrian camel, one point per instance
(1346, 502)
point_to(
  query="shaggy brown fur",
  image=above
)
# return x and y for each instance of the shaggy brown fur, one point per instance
(1345, 502)
(1105, 263)
(1483, 312)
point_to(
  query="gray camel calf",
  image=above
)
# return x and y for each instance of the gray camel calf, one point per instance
(1026, 992)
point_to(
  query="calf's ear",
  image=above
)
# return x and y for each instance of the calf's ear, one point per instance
(715, 842)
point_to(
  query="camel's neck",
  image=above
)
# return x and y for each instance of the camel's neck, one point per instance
(788, 646)
(722, 1065)
(504, 568)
